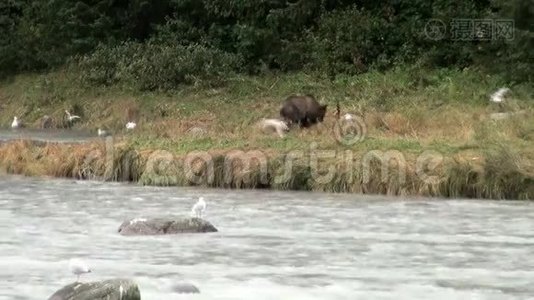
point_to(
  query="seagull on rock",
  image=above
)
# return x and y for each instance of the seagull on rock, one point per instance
(78, 267)
(199, 208)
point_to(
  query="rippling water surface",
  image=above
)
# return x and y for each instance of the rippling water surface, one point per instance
(47, 135)
(271, 245)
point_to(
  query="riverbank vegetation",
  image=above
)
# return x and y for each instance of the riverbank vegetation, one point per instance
(471, 154)
(197, 76)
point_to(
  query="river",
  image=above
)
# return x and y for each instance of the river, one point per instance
(271, 245)
(47, 135)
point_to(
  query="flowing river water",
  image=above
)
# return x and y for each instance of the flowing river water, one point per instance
(47, 135)
(270, 245)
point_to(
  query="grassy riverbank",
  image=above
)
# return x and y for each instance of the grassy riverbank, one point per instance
(435, 124)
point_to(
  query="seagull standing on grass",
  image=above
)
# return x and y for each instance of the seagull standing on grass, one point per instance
(497, 97)
(15, 123)
(130, 125)
(348, 117)
(199, 208)
(274, 125)
(78, 267)
(70, 117)
(102, 132)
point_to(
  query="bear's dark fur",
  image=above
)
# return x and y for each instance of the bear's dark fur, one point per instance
(302, 110)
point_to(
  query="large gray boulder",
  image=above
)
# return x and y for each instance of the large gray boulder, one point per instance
(142, 226)
(114, 289)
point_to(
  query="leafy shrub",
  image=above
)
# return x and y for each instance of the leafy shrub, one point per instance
(334, 37)
(156, 66)
(104, 65)
(353, 40)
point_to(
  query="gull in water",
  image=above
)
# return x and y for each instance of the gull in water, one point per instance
(130, 125)
(199, 208)
(15, 123)
(70, 117)
(78, 267)
(498, 96)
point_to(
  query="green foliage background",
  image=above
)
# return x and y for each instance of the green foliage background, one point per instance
(164, 43)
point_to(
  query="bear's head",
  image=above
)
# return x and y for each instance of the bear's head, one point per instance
(321, 112)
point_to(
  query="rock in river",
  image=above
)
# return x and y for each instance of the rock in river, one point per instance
(114, 289)
(185, 288)
(141, 226)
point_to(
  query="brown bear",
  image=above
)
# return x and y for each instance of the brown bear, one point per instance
(302, 110)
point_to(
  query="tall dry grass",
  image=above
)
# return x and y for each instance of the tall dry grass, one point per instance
(499, 174)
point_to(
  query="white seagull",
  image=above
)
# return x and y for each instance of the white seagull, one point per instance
(497, 97)
(16, 123)
(70, 117)
(199, 208)
(348, 117)
(102, 132)
(274, 125)
(78, 267)
(130, 125)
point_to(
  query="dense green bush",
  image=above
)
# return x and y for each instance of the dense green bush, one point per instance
(349, 41)
(149, 66)
(103, 66)
(10, 13)
(330, 36)
(514, 59)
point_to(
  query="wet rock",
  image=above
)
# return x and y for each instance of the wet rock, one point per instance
(185, 288)
(114, 289)
(142, 226)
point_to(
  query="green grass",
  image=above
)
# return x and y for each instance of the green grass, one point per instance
(406, 109)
